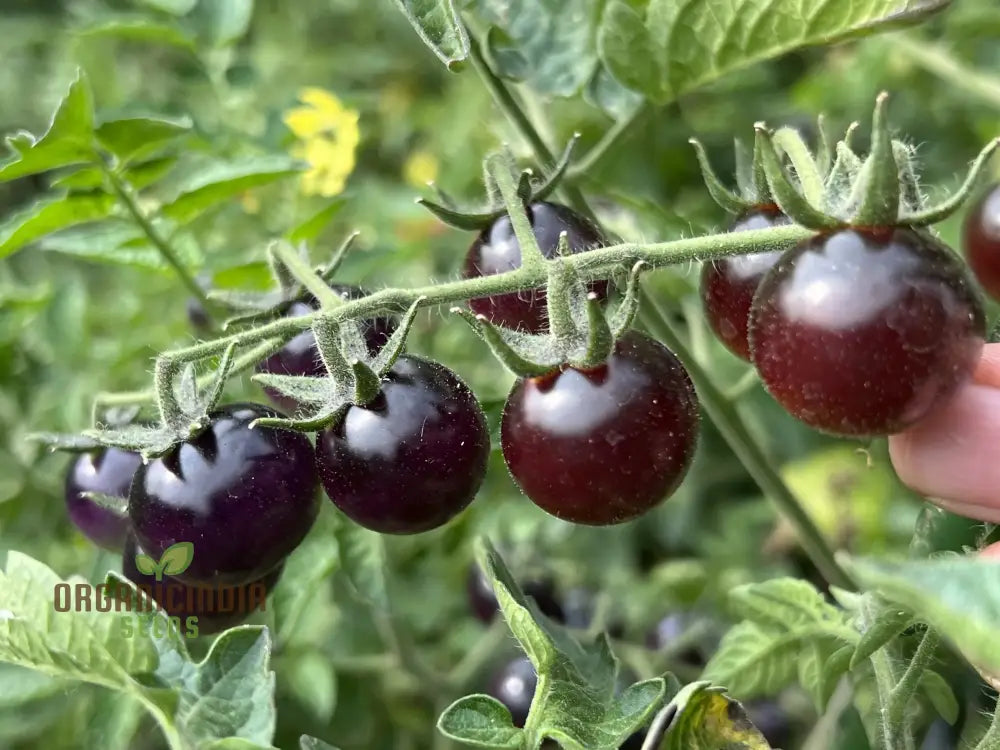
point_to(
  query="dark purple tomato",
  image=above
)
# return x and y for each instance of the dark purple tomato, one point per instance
(109, 472)
(497, 250)
(981, 239)
(244, 497)
(412, 459)
(300, 355)
(514, 686)
(860, 335)
(485, 606)
(216, 608)
(605, 445)
(728, 284)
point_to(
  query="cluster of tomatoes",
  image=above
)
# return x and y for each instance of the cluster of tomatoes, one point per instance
(882, 324)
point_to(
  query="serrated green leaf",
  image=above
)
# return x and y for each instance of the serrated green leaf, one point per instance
(177, 558)
(69, 139)
(480, 721)
(228, 694)
(887, 623)
(312, 680)
(440, 28)
(786, 618)
(707, 719)
(959, 596)
(139, 176)
(222, 23)
(688, 45)
(213, 182)
(133, 138)
(362, 559)
(50, 215)
(145, 564)
(19, 685)
(110, 241)
(575, 694)
(557, 38)
(141, 29)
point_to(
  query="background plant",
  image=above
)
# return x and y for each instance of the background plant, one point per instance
(202, 186)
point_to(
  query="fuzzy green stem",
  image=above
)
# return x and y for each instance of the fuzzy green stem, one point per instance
(902, 693)
(735, 432)
(936, 60)
(126, 195)
(885, 683)
(531, 254)
(305, 275)
(991, 740)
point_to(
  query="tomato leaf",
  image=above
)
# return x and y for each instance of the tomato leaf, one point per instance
(577, 682)
(480, 721)
(673, 48)
(134, 138)
(50, 215)
(141, 29)
(222, 24)
(959, 596)
(68, 140)
(439, 26)
(704, 718)
(362, 559)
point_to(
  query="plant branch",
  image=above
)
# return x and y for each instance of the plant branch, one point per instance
(935, 59)
(611, 136)
(991, 740)
(902, 693)
(125, 194)
(306, 276)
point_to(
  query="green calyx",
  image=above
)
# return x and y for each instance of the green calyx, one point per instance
(581, 333)
(354, 375)
(880, 190)
(529, 190)
(753, 189)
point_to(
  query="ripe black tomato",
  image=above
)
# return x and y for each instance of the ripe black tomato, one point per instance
(862, 334)
(605, 445)
(300, 355)
(244, 497)
(108, 471)
(981, 240)
(497, 250)
(216, 608)
(728, 284)
(413, 458)
(514, 686)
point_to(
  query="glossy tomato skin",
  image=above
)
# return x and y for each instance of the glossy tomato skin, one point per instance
(860, 334)
(484, 605)
(300, 355)
(412, 459)
(108, 471)
(497, 250)
(981, 240)
(244, 497)
(514, 686)
(216, 608)
(728, 284)
(603, 446)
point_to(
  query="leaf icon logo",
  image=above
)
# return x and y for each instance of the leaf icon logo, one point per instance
(175, 560)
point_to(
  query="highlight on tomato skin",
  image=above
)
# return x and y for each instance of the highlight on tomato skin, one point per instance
(603, 446)
(108, 471)
(245, 497)
(861, 335)
(728, 284)
(981, 240)
(497, 250)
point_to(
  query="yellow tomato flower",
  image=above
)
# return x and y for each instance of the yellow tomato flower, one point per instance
(328, 136)
(420, 168)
